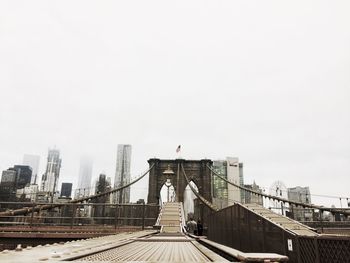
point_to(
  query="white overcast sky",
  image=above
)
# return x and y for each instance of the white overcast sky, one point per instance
(266, 81)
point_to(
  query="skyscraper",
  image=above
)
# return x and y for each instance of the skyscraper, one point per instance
(15, 178)
(225, 194)
(220, 186)
(302, 195)
(8, 185)
(122, 173)
(49, 179)
(24, 175)
(235, 175)
(33, 162)
(102, 185)
(66, 189)
(84, 179)
(250, 198)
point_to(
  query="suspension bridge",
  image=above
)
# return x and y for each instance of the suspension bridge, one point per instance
(156, 232)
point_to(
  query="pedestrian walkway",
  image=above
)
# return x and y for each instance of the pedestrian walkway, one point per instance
(170, 218)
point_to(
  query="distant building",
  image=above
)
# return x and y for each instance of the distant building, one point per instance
(42, 197)
(24, 175)
(102, 185)
(8, 185)
(302, 195)
(9, 176)
(225, 194)
(50, 178)
(13, 179)
(122, 173)
(140, 201)
(84, 179)
(250, 198)
(32, 161)
(220, 196)
(66, 190)
(29, 192)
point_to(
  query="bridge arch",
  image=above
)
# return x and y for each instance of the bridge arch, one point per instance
(196, 170)
(189, 200)
(167, 192)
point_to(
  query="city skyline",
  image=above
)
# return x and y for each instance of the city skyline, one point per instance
(136, 194)
(265, 81)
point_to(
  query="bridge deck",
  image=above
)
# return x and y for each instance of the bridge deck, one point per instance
(168, 245)
(167, 249)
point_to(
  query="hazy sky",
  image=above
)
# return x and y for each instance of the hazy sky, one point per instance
(266, 81)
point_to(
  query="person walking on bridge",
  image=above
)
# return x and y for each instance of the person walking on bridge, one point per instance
(199, 227)
(191, 226)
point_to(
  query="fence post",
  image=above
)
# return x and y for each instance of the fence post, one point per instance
(239, 226)
(263, 222)
(63, 208)
(32, 216)
(316, 250)
(297, 239)
(321, 219)
(73, 215)
(116, 217)
(39, 215)
(249, 231)
(143, 216)
(103, 213)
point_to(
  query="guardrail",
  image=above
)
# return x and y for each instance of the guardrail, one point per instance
(72, 215)
(240, 228)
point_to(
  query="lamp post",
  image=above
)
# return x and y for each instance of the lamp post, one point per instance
(168, 173)
(168, 184)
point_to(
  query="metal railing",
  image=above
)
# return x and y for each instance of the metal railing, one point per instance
(89, 214)
(244, 230)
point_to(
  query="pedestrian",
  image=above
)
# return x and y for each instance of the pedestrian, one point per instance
(191, 226)
(199, 227)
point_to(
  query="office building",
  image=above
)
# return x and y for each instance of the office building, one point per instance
(9, 176)
(13, 179)
(225, 194)
(23, 175)
(66, 190)
(50, 178)
(29, 192)
(220, 196)
(122, 173)
(33, 162)
(84, 179)
(8, 185)
(18, 176)
(250, 198)
(102, 185)
(302, 195)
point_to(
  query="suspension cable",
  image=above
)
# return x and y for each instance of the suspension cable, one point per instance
(204, 201)
(26, 210)
(283, 200)
(113, 190)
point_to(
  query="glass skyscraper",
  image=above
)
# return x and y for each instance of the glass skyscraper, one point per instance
(33, 162)
(122, 173)
(84, 179)
(225, 194)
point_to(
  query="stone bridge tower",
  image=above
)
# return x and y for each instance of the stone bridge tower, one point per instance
(196, 171)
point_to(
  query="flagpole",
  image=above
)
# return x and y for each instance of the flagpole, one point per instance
(178, 151)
